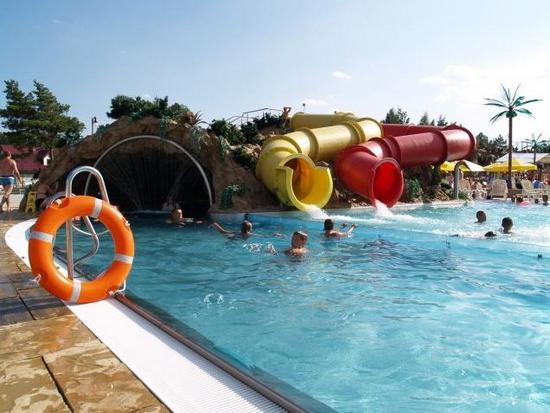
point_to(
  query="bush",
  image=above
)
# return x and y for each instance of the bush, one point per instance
(245, 158)
(413, 189)
(226, 200)
(139, 108)
(227, 130)
(250, 132)
(268, 120)
(463, 195)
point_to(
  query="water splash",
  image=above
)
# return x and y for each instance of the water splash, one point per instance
(315, 212)
(382, 210)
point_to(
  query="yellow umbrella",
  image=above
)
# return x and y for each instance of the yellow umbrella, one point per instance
(465, 167)
(517, 166)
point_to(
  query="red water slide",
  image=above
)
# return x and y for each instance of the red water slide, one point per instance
(373, 169)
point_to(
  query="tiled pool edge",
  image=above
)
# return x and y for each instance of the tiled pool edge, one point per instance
(273, 401)
(230, 393)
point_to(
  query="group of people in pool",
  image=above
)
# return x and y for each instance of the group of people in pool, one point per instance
(506, 224)
(520, 201)
(298, 240)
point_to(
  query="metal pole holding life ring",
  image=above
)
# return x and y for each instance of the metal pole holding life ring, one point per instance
(63, 212)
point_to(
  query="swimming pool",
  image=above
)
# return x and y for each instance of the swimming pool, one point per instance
(400, 317)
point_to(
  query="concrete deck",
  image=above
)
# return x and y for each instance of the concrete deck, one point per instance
(49, 360)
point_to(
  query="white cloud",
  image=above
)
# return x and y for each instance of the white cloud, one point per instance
(315, 102)
(145, 96)
(340, 75)
(461, 89)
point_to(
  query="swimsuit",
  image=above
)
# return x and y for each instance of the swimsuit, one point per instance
(7, 180)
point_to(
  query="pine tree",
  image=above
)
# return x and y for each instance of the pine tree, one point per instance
(442, 121)
(398, 116)
(16, 115)
(425, 119)
(37, 118)
(52, 126)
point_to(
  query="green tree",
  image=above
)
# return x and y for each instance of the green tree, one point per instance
(535, 144)
(488, 151)
(396, 116)
(512, 105)
(139, 108)
(15, 116)
(441, 121)
(425, 119)
(51, 125)
(38, 118)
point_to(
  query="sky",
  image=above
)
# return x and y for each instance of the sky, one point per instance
(227, 57)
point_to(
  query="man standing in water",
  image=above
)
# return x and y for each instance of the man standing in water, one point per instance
(8, 173)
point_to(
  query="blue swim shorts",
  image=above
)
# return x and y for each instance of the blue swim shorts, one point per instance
(7, 180)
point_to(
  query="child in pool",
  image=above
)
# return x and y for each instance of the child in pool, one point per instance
(507, 225)
(330, 232)
(481, 217)
(246, 230)
(298, 244)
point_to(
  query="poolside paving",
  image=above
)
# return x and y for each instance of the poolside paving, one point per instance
(49, 360)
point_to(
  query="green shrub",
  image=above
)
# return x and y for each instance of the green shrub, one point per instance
(245, 158)
(413, 189)
(227, 130)
(250, 132)
(463, 195)
(268, 120)
(226, 200)
(436, 176)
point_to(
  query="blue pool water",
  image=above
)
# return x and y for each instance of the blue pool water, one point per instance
(400, 317)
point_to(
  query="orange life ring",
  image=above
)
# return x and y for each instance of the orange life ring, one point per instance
(41, 249)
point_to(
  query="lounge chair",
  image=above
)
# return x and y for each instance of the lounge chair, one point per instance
(528, 191)
(499, 189)
(478, 192)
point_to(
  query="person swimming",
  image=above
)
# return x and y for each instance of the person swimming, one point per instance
(481, 217)
(330, 232)
(545, 200)
(246, 230)
(176, 217)
(298, 244)
(507, 225)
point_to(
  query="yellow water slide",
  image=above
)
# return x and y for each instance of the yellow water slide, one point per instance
(287, 162)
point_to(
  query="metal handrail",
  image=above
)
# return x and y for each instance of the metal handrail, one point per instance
(245, 116)
(69, 224)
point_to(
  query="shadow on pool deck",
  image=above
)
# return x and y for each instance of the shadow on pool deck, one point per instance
(49, 360)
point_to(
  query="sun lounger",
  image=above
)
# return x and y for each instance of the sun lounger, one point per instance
(528, 191)
(499, 189)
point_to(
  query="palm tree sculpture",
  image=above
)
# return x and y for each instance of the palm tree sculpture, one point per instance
(512, 105)
(534, 144)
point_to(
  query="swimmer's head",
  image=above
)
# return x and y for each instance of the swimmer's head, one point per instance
(246, 227)
(299, 239)
(490, 234)
(329, 225)
(177, 215)
(507, 224)
(481, 216)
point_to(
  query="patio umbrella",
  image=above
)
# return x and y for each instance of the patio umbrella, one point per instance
(517, 166)
(465, 166)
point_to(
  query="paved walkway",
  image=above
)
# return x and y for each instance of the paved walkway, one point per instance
(49, 360)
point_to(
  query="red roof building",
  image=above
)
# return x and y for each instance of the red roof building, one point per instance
(29, 160)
